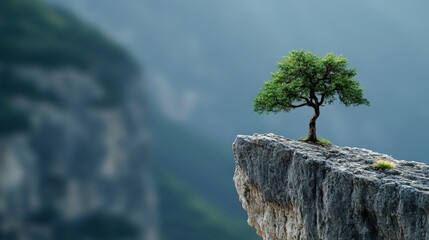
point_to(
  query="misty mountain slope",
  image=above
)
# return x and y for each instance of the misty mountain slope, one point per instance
(72, 144)
(194, 217)
(195, 159)
(36, 36)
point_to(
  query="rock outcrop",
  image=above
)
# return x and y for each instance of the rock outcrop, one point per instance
(295, 190)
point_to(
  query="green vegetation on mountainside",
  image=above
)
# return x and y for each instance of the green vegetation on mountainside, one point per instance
(186, 215)
(34, 34)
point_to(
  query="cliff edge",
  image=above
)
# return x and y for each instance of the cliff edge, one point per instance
(295, 190)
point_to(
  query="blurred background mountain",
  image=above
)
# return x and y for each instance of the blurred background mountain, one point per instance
(125, 132)
(73, 134)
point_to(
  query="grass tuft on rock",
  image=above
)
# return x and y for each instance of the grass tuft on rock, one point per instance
(383, 165)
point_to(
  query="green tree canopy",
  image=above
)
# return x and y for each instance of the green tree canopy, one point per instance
(304, 79)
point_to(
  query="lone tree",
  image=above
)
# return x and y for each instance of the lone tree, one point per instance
(304, 79)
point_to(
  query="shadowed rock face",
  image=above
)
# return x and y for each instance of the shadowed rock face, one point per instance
(295, 190)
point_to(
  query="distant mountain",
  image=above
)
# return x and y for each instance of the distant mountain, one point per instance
(72, 148)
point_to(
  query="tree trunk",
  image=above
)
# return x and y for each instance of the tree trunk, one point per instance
(312, 137)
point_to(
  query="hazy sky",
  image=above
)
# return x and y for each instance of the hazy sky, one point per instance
(204, 62)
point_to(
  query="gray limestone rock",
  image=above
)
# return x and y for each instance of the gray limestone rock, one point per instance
(295, 190)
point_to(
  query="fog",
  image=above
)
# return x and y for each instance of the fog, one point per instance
(215, 55)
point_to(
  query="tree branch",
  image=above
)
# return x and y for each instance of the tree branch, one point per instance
(314, 98)
(306, 99)
(300, 105)
(322, 99)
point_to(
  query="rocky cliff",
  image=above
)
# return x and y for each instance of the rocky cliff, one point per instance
(295, 190)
